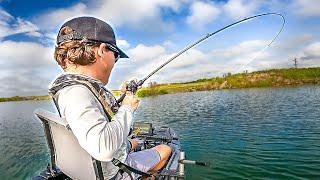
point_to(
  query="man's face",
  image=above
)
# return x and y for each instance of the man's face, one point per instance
(107, 61)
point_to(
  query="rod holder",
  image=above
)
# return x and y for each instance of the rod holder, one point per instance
(199, 163)
(181, 165)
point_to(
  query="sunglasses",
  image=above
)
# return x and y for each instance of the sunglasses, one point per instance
(110, 47)
(115, 52)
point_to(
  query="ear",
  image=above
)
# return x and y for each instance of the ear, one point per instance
(102, 49)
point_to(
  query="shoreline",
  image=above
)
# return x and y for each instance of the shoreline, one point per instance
(259, 79)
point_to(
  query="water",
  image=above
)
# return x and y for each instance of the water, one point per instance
(269, 133)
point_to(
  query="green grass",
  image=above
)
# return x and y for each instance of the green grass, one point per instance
(267, 78)
(25, 98)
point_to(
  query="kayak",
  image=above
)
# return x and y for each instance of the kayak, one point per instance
(65, 150)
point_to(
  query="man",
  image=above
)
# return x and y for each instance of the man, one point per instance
(87, 51)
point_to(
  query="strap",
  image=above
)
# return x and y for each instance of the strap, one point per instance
(129, 169)
(104, 96)
(98, 169)
(56, 103)
(68, 37)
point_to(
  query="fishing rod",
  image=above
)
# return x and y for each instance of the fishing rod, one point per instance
(134, 85)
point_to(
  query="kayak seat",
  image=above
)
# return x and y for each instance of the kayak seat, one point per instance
(66, 153)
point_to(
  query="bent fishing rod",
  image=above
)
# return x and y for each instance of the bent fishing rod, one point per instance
(134, 85)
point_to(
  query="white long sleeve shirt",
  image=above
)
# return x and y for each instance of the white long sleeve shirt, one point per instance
(103, 140)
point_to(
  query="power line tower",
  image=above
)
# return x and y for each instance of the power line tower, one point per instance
(295, 60)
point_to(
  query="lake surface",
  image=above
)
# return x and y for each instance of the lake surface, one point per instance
(271, 133)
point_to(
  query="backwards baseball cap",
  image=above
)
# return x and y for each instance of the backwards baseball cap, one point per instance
(92, 30)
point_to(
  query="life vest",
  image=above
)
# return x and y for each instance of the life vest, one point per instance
(105, 97)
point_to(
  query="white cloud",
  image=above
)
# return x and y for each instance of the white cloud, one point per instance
(142, 60)
(190, 58)
(57, 17)
(240, 49)
(169, 44)
(123, 43)
(238, 9)
(28, 68)
(312, 51)
(142, 14)
(24, 54)
(34, 34)
(239, 57)
(306, 7)
(143, 53)
(5, 16)
(202, 13)
(10, 25)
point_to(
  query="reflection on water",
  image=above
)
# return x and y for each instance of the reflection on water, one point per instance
(272, 132)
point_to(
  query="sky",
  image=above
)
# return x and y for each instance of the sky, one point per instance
(152, 31)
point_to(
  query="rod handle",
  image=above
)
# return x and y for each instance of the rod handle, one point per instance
(121, 98)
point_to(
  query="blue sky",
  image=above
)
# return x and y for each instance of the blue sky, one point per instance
(151, 31)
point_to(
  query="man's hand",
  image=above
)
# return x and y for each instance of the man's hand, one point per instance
(124, 86)
(125, 90)
(131, 100)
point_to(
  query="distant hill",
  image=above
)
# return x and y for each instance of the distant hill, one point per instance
(267, 78)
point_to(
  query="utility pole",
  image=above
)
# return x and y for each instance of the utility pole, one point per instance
(295, 60)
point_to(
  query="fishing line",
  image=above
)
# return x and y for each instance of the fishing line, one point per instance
(268, 45)
(133, 85)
